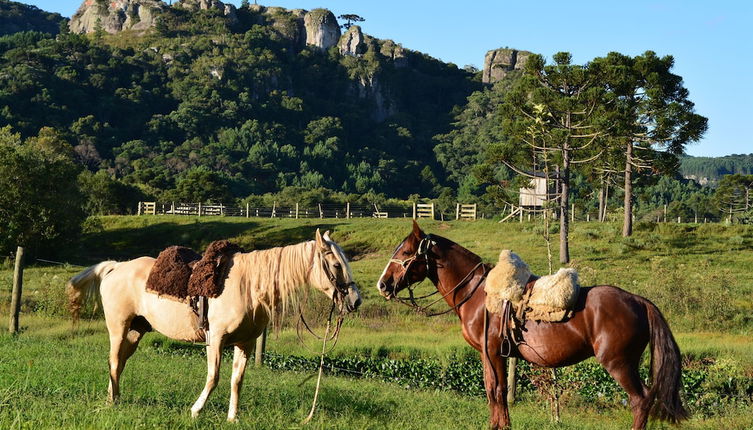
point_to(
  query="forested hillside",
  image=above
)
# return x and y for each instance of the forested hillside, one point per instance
(711, 169)
(15, 17)
(204, 107)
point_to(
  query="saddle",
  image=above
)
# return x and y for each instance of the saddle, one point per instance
(518, 295)
(183, 275)
(550, 298)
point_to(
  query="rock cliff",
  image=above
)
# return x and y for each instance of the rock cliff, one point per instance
(116, 15)
(352, 42)
(322, 29)
(499, 62)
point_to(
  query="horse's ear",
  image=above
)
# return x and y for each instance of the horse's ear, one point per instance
(326, 237)
(319, 240)
(417, 232)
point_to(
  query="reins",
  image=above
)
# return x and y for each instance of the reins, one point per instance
(411, 301)
(327, 337)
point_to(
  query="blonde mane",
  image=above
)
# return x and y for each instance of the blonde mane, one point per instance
(273, 278)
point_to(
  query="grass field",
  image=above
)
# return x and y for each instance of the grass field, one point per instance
(698, 275)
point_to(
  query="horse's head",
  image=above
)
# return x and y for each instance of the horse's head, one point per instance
(408, 265)
(331, 274)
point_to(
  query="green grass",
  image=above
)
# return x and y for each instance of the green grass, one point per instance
(52, 379)
(698, 275)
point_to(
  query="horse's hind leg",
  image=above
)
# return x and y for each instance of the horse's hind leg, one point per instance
(124, 339)
(240, 358)
(625, 372)
(214, 353)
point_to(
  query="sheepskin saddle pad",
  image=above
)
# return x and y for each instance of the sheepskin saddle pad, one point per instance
(180, 273)
(552, 298)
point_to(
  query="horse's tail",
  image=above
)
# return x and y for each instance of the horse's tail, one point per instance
(84, 285)
(666, 370)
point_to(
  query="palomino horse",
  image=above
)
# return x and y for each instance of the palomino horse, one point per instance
(259, 288)
(609, 323)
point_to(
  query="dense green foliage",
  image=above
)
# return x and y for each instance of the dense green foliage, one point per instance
(15, 17)
(41, 204)
(713, 168)
(238, 106)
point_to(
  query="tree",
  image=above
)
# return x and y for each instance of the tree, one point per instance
(350, 19)
(40, 206)
(654, 118)
(201, 185)
(734, 196)
(552, 120)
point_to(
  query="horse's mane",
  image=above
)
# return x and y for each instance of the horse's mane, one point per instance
(273, 278)
(450, 244)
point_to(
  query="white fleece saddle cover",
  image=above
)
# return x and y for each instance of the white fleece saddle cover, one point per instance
(553, 297)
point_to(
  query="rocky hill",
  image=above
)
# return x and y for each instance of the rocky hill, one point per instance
(16, 17)
(202, 100)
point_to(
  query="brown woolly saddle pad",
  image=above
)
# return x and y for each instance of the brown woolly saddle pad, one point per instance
(180, 273)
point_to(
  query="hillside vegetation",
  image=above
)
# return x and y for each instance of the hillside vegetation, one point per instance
(16, 17)
(712, 169)
(202, 108)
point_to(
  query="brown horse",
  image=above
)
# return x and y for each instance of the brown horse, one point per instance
(609, 323)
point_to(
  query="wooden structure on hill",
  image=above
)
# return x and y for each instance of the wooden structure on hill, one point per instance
(536, 196)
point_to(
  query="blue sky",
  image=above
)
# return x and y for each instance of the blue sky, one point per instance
(710, 41)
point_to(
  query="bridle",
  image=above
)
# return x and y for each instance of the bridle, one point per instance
(424, 246)
(338, 300)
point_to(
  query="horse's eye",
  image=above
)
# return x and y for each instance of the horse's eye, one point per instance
(337, 265)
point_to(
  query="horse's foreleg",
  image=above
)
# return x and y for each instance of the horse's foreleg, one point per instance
(496, 387)
(214, 352)
(240, 358)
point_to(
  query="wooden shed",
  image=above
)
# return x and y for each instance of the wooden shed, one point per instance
(537, 194)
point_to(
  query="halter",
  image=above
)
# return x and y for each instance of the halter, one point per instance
(423, 251)
(338, 296)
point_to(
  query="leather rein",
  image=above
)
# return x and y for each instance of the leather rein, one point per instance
(423, 251)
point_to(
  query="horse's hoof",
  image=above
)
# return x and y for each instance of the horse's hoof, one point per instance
(233, 420)
(194, 413)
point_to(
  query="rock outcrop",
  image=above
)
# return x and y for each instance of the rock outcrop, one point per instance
(352, 42)
(116, 15)
(317, 28)
(499, 62)
(193, 5)
(322, 29)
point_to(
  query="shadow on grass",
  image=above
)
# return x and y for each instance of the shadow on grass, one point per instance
(132, 242)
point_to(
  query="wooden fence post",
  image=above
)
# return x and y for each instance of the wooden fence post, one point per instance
(457, 211)
(199, 208)
(18, 281)
(414, 210)
(296, 211)
(511, 382)
(138, 210)
(247, 213)
(261, 345)
(347, 210)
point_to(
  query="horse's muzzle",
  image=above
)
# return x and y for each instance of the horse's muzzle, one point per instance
(384, 290)
(353, 299)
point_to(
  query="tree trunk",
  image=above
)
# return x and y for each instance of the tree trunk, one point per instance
(627, 226)
(564, 205)
(601, 199)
